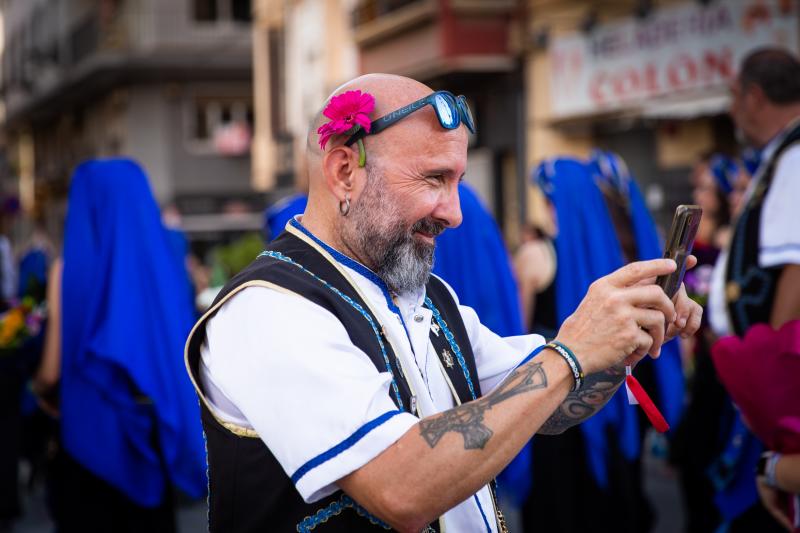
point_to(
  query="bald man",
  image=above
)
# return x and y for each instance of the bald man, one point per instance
(343, 388)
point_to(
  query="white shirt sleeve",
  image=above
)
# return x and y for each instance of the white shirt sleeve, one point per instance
(780, 216)
(290, 368)
(495, 356)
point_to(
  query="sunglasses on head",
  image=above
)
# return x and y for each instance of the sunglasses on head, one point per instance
(451, 111)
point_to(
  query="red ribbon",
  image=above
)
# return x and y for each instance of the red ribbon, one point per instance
(649, 408)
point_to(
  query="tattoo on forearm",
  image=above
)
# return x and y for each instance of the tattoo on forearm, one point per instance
(467, 419)
(580, 405)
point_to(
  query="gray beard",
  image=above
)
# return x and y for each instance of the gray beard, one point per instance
(375, 231)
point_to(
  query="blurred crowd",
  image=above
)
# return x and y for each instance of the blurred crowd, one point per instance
(96, 402)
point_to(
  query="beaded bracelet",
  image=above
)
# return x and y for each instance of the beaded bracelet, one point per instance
(577, 372)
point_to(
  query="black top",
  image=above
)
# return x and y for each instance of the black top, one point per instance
(750, 289)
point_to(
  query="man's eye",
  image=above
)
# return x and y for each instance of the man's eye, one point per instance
(436, 177)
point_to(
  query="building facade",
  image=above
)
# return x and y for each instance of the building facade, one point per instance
(648, 80)
(166, 83)
(464, 46)
(304, 49)
(467, 47)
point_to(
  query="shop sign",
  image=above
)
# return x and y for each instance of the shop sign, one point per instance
(682, 48)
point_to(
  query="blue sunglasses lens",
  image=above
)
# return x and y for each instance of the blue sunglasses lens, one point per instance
(446, 111)
(466, 114)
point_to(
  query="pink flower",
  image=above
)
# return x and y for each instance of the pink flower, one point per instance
(347, 111)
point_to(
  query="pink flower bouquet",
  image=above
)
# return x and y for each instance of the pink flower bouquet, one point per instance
(762, 374)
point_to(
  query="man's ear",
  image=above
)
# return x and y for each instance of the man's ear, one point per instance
(755, 96)
(340, 167)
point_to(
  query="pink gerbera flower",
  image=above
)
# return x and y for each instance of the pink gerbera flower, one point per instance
(348, 112)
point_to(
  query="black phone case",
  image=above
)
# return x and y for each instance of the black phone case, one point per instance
(679, 245)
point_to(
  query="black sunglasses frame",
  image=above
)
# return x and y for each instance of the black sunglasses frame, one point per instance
(458, 105)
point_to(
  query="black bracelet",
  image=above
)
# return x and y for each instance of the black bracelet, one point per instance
(761, 465)
(766, 466)
(577, 372)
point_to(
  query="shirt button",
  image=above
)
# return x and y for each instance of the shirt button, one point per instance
(418, 318)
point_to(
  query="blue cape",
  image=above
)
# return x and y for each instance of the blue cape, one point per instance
(587, 248)
(129, 412)
(278, 214)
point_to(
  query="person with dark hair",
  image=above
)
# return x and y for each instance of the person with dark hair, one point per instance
(775, 74)
(757, 279)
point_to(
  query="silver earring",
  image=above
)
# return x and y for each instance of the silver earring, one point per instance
(344, 207)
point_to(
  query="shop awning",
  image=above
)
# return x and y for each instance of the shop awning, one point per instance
(687, 107)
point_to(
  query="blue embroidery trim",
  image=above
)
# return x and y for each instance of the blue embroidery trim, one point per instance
(349, 442)
(350, 262)
(453, 344)
(279, 256)
(335, 508)
(361, 269)
(480, 508)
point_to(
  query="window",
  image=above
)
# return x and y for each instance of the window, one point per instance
(241, 10)
(211, 120)
(205, 10)
(223, 10)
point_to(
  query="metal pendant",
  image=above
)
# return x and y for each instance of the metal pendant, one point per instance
(448, 358)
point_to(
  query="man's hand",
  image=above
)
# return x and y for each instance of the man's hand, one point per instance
(690, 314)
(771, 498)
(622, 318)
(630, 324)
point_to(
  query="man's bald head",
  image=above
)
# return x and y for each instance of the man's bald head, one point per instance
(390, 92)
(387, 215)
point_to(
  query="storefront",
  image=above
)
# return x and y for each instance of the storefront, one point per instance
(652, 87)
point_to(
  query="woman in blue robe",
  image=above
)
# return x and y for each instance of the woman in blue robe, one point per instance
(130, 422)
(603, 223)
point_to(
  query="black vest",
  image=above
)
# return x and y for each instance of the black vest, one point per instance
(248, 489)
(750, 289)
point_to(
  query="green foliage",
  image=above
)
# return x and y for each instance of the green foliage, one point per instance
(229, 259)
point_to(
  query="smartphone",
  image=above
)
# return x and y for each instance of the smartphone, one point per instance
(679, 245)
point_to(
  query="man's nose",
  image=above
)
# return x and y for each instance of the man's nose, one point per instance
(448, 210)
